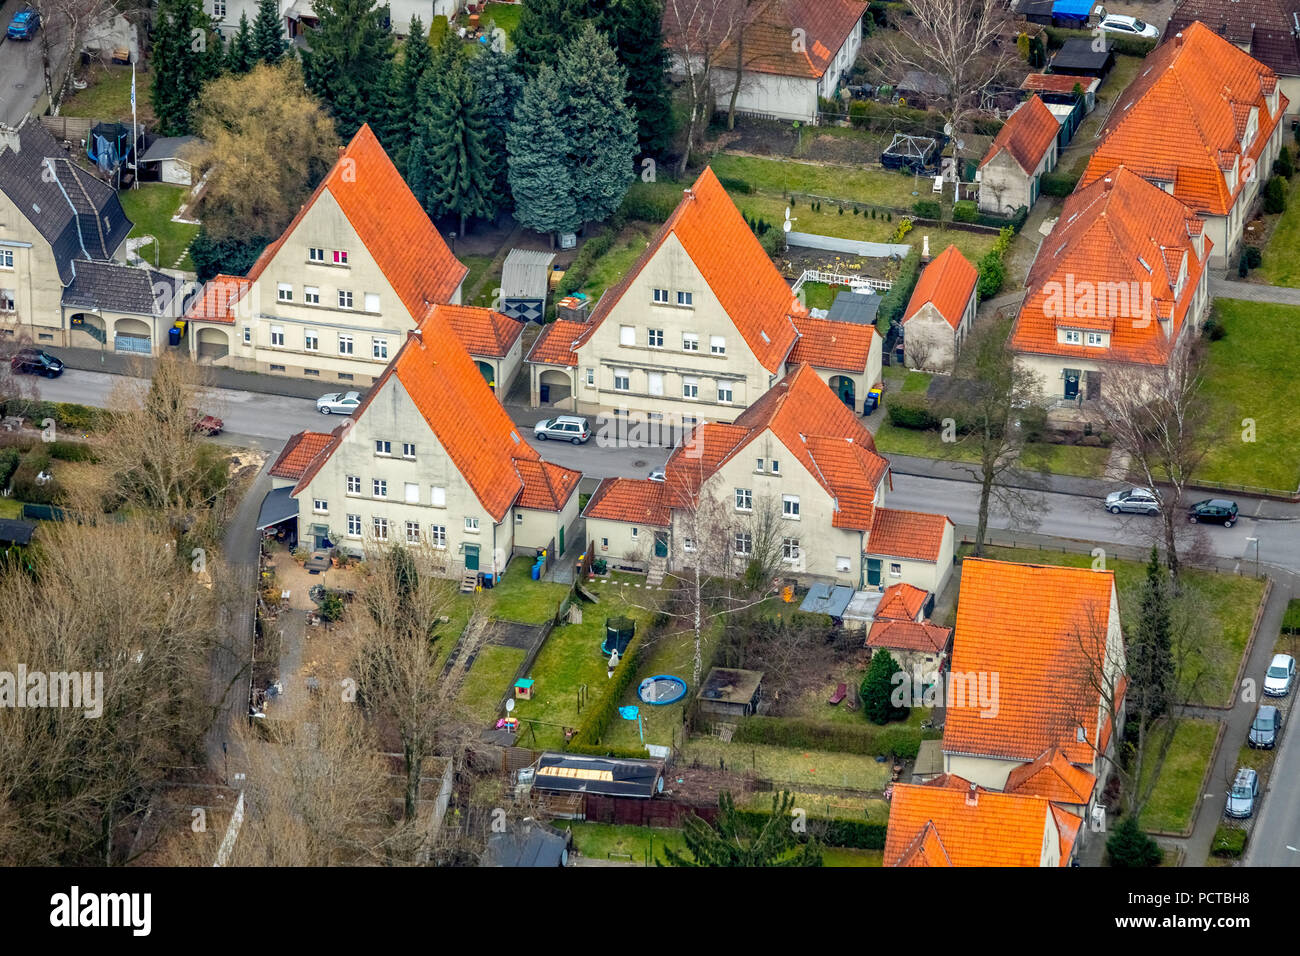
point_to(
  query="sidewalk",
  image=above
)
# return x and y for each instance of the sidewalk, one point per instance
(1252, 291)
(119, 363)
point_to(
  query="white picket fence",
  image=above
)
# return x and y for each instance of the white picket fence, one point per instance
(854, 282)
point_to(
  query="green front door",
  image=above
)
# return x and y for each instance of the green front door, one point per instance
(661, 544)
(561, 539)
(873, 571)
(471, 557)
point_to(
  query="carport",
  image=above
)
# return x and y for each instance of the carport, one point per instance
(279, 512)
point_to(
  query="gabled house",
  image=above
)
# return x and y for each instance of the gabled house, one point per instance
(1038, 665)
(431, 460)
(941, 312)
(951, 821)
(1120, 279)
(1203, 122)
(1269, 30)
(1024, 150)
(492, 339)
(796, 465)
(698, 329)
(59, 222)
(789, 53)
(899, 626)
(333, 297)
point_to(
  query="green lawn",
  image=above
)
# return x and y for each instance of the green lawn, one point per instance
(819, 295)
(519, 598)
(1281, 265)
(787, 765)
(478, 266)
(1177, 792)
(781, 176)
(1232, 601)
(1065, 459)
(921, 443)
(488, 679)
(151, 208)
(503, 15)
(108, 97)
(1251, 375)
(825, 806)
(605, 841)
(613, 265)
(841, 856)
(9, 508)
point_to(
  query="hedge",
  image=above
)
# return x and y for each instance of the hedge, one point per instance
(965, 210)
(881, 117)
(1121, 45)
(865, 739)
(831, 831)
(576, 275)
(910, 410)
(71, 451)
(9, 458)
(649, 202)
(1291, 619)
(65, 414)
(1059, 184)
(893, 302)
(928, 208)
(1229, 842)
(598, 718)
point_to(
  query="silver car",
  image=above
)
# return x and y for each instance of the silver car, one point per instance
(338, 403)
(1241, 798)
(1142, 501)
(1280, 674)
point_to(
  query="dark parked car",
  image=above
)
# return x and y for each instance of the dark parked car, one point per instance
(1213, 511)
(1267, 725)
(36, 362)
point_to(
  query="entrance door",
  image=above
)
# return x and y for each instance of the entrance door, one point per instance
(471, 557)
(1071, 384)
(842, 385)
(873, 571)
(661, 544)
(561, 539)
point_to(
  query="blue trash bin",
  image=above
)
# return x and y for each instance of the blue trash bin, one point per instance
(173, 336)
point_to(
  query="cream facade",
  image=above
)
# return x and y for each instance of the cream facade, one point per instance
(1005, 186)
(930, 343)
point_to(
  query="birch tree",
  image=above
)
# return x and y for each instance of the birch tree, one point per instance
(697, 32)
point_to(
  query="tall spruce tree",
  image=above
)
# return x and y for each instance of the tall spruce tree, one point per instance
(186, 53)
(449, 169)
(401, 123)
(733, 840)
(240, 54)
(636, 29)
(1150, 652)
(349, 61)
(542, 27)
(269, 42)
(497, 88)
(538, 148)
(598, 122)
(877, 691)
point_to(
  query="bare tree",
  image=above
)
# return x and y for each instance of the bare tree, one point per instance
(957, 41)
(747, 16)
(698, 32)
(1161, 421)
(989, 395)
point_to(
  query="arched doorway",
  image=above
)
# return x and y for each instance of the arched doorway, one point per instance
(132, 335)
(489, 374)
(213, 345)
(554, 387)
(90, 326)
(844, 387)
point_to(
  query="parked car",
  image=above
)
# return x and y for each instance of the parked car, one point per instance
(1280, 674)
(1213, 511)
(564, 428)
(1266, 727)
(1133, 501)
(24, 25)
(35, 362)
(338, 403)
(1241, 798)
(658, 474)
(206, 424)
(1127, 26)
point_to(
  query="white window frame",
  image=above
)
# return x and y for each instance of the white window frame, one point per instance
(379, 524)
(408, 450)
(690, 342)
(743, 544)
(790, 507)
(654, 338)
(345, 299)
(895, 569)
(354, 526)
(345, 344)
(717, 345)
(284, 292)
(320, 506)
(379, 348)
(471, 525)
(354, 484)
(412, 532)
(623, 375)
(6, 258)
(248, 335)
(277, 336)
(790, 549)
(383, 448)
(438, 536)
(690, 387)
(591, 377)
(744, 499)
(1094, 339)
(315, 254)
(1073, 337)
(340, 257)
(686, 299)
(725, 393)
(310, 340)
(776, 466)
(660, 296)
(311, 294)
(378, 487)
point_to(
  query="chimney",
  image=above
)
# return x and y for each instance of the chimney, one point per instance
(1178, 38)
(415, 335)
(972, 796)
(690, 193)
(925, 249)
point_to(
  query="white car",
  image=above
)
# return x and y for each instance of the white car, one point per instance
(1127, 26)
(1280, 674)
(338, 403)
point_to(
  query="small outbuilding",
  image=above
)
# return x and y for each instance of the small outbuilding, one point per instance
(731, 692)
(525, 280)
(1079, 57)
(603, 776)
(528, 843)
(166, 160)
(15, 532)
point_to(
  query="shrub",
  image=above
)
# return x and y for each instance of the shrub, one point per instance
(71, 451)
(1291, 619)
(773, 242)
(1128, 847)
(965, 210)
(25, 486)
(576, 275)
(864, 739)
(893, 302)
(987, 126)
(1282, 167)
(233, 256)
(881, 117)
(992, 274)
(1058, 183)
(649, 202)
(1254, 258)
(1121, 45)
(903, 228)
(1242, 266)
(1033, 423)
(1229, 842)
(910, 410)
(736, 185)
(878, 704)
(854, 834)
(927, 208)
(597, 719)
(9, 458)
(1275, 195)
(438, 28)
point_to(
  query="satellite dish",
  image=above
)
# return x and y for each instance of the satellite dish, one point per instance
(947, 129)
(786, 225)
(510, 704)
(961, 144)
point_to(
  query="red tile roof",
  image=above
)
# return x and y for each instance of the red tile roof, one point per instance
(948, 281)
(826, 26)
(974, 828)
(298, 454)
(547, 487)
(901, 602)
(472, 427)
(926, 849)
(1067, 828)
(221, 294)
(728, 255)
(482, 331)
(842, 346)
(913, 535)
(1113, 255)
(1027, 135)
(908, 636)
(1058, 82)
(1054, 777)
(1264, 27)
(1177, 120)
(634, 500)
(555, 346)
(1039, 629)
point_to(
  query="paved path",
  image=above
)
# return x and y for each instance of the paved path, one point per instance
(1253, 291)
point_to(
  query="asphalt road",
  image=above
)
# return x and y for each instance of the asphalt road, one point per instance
(1276, 837)
(22, 81)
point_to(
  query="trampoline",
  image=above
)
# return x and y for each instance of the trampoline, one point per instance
(662, 689)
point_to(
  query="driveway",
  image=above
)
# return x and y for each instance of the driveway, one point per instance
(22, 81)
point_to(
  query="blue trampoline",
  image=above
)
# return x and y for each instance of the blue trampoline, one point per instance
(661, 689)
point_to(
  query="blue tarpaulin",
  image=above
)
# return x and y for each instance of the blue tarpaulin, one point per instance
(1072, 9)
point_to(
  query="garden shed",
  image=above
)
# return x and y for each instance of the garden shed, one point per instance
(1079, 57)
(525, 279)
(731, 692)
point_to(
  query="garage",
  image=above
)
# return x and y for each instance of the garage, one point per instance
(132, 335)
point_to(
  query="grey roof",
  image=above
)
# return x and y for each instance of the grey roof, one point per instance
(13, 531)
(119, 288)
(859, 307)
(77, 214)
(609, 776)
(526, 273)
(528, 843)
(1077, 54)
(919, 81)
(832, 599)
(166, 147)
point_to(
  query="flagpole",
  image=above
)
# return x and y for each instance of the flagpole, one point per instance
(135, 150)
